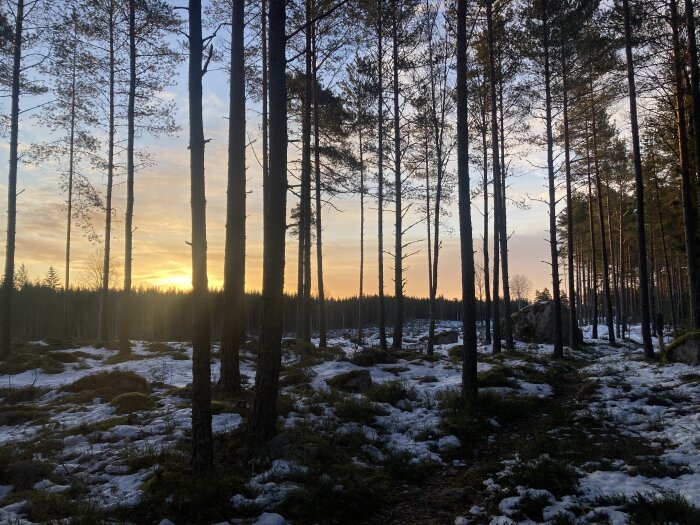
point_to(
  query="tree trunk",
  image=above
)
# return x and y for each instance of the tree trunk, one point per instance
(667, 262)
(469, 374)
(319, 205)
(689, 210)
(573, 323)
(594, 257)
(380, 179)
(639, 187)
(558, 343)
(695, 92)
(485, 249)
(503, 234)
(305, 211)
(496, 171)
(601, 224)
(8, 281)
(202, 452)
(263, 412)
(234, 264)
(103, 328)
(362, 239)
(431, 299)
(125, 314)
(69, 211)
(398, 246)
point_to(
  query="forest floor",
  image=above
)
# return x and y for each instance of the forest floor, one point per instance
(600, 436)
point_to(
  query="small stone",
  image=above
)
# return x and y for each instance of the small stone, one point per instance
(448, 443)
(270, 518)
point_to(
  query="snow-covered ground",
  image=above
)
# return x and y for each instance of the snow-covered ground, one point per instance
(93, 449)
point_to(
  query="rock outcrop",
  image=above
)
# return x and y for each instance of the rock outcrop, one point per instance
(535, 324)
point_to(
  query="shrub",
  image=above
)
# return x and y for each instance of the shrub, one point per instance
(108, 385)
(556, 476)
(360, 410)
(130, 402)
(649, 509)
(392, 392)
(373, 356)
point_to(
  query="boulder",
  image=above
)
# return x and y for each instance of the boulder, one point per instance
(353, 381)
(685, 349)
(535, 323)
(446, 337)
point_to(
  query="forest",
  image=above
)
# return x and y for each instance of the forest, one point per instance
(479, 401)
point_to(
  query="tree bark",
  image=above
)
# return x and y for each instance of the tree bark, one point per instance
(362, 240)
(125, 314)
(593, 288)
(380, 179)
(689, 210)
(103, 328)
(496, 171)
(398, 246)
(305, 211)
(573, 323)
(263, 413)
(319, 205)
(69, 211)
(202, 452)
(469, 372)
(485, 249)
(8, 281)
(695, 93)
(234, 264)
(502, 224)
(601, 224)
(639, 187)
(558, 343)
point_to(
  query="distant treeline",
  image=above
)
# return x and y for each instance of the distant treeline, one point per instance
(166, 315)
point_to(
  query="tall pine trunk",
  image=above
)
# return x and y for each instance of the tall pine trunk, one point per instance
(469, 376)
(234, 263)
(485, 248)
(689, 210)
(502, 224)
(573, 322)
(125, 315)
(556, 296)
(695, 93)
(593, 288)
(8, 284)
(103, 324)
(380, 178)
(319, 204)
(362, 240)
(639, 187)
(601, 224)
(263, 412)
(71, 171)
(496, 171)
(304, 307)
(398, 211)
(202, 452)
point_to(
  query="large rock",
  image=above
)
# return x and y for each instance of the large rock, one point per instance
(686, 348)
(535, 324)
(446, 337)
(353, 381)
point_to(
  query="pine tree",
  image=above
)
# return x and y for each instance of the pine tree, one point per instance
(263, 413)
(202, 453)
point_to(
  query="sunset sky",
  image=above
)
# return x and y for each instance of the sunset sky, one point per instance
(162, 216)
